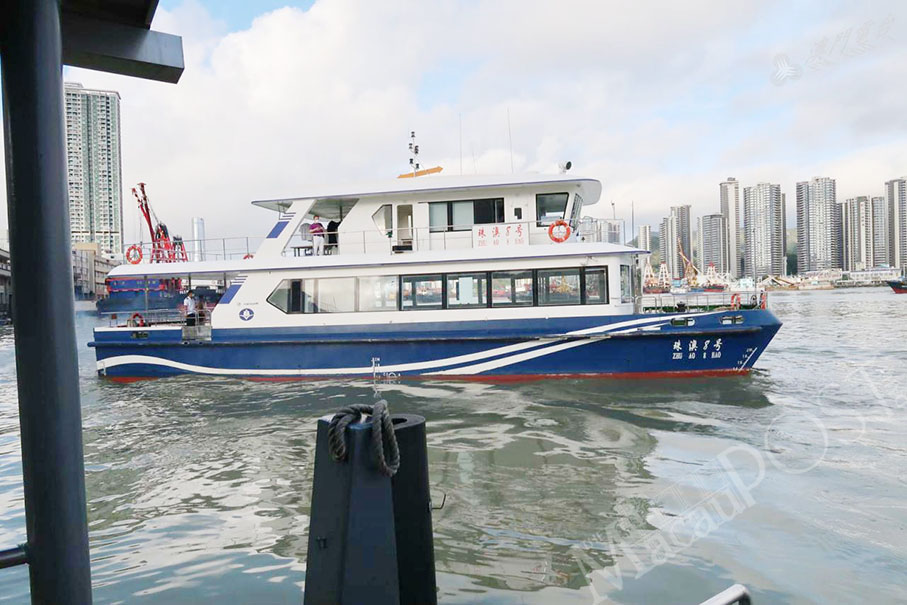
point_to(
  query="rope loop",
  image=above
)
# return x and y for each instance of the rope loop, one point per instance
(384, 442)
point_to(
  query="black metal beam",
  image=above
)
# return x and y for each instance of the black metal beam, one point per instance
(121, 49)
(46, 359)
(12, 557)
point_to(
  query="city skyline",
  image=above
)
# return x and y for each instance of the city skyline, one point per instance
(855, 234)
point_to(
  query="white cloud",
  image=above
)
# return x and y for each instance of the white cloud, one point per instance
(661, 101)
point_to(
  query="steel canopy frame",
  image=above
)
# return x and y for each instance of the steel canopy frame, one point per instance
(36, 38)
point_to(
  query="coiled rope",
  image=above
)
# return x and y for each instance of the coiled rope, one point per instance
(384, 442)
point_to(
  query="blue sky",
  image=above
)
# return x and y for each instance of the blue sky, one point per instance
(237, 14)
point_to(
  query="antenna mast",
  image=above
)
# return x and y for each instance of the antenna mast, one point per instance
(413, 152)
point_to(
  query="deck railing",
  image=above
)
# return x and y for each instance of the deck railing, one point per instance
(155, 317)
(376, 241)
(446, 237)
(679, 302)
(220, 248)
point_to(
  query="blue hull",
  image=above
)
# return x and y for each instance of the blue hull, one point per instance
(638, 345)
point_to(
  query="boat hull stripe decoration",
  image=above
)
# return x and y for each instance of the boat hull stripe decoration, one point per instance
(406, 367)
(277, 229)
(229, 294)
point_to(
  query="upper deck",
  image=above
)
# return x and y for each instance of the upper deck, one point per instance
(416, 216)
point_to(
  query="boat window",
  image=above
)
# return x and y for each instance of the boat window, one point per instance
(509, 288)
(626, 293)
(421, 292)
(462, 215)
(489, 211)
(596, 292)
(384, 219)
(576, 211)
(437, 216)
(467, 290)
(287, 296)
(334, 295)
(559, 287)
(378, 293)
(550, 207)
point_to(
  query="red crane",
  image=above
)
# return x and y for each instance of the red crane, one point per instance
(164, 248)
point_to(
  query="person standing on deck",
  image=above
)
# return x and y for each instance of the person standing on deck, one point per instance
(317, 231)
(191, 308)
(332, 236)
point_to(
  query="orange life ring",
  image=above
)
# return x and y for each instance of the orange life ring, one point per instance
(134, 255)
(735, 302)
(555, 238)
(248, 256)
(763, 301)
(137, 319)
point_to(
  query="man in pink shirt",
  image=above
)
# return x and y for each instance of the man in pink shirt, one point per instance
(317, 231)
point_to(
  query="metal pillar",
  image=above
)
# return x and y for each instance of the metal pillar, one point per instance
(46, 360)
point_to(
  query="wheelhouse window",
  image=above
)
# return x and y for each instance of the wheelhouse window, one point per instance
(378, 293)
(437, 217)
(421, 292)
(511, 288)
(626, 290)
(466, 290)
(576, 211)
(384, 219)
(559, 287)
(462, 215)
(596, 287)
(550, 207)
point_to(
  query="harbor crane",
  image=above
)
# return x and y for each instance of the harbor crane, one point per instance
(689, 269)
(164, 248)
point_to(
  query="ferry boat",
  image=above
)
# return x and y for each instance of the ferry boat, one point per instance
(129, 295)
(438, 277)
(898, 285)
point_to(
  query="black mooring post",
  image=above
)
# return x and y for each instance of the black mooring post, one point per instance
(46, 361)
(370, 537)
(412, 514)
(352, 556)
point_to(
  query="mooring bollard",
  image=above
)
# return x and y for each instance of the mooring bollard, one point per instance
(370, 532)
(412, 514)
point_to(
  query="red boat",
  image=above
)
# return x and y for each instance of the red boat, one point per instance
(899, 286)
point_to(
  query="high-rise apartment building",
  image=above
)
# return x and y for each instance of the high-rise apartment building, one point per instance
(644, 239)
(818, 225)
(857, 252)
(764, 231)
(94, 167)
(730, 209)
(676, 236)
(896, 195)
(713, 248)
(864, 233)
(880, 232)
